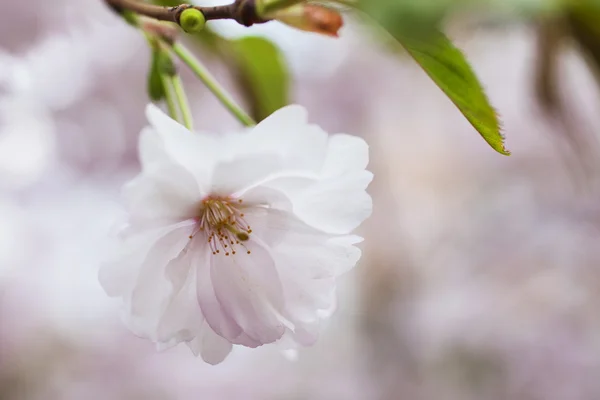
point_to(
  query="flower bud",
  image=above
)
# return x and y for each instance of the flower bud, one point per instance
(311, 18)
(192, 20)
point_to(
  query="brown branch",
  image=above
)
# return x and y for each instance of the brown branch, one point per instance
(242, 11)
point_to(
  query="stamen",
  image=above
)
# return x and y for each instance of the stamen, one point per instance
(224, 223)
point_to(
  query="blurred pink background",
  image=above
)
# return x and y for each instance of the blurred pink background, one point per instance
(481, 273)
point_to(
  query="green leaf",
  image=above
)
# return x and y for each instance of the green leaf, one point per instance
(413, 23)
(262, 75)
(449, 69)
(155, 86)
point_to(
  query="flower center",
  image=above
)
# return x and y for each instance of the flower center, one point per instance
(223, 222)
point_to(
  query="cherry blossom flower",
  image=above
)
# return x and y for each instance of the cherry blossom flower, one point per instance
(237, 239)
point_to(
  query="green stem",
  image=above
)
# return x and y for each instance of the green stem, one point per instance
(184, 106)
(201, 72)
(174, 93)
(170, 96)
(205, 76)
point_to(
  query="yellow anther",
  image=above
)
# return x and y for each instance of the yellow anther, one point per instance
(243, 236)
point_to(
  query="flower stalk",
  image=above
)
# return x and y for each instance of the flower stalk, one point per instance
(170, 97)
(210, 82)
(182, 101)
(177, 94)
(163, 65)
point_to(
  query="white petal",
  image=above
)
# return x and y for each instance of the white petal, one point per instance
(118, 276)
(282, 122)
(310, 293)
(151, 149)
(307, 261)
(211, 347)
(196, 152)
(345, 154)
(168, 192)
(336, 205)
(308, 273)
(307, 149)
(163, 123)
(182, 319)
(263, 214)
(263, 196)
(286, 132)
(286, 234)
(241, 173)
(153, 290)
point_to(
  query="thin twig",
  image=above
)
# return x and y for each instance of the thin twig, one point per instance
(242, 11)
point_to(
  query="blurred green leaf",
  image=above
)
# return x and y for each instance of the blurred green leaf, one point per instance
(155, 86)
(409, 15)
(262, 74)
(416, 13)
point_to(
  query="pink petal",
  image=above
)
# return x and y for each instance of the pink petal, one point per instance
(248, 289)
(221, 322)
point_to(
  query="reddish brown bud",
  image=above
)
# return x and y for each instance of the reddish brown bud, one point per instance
(311, 18)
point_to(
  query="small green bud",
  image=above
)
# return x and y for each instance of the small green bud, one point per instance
(192, 20)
